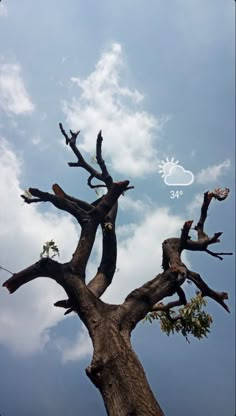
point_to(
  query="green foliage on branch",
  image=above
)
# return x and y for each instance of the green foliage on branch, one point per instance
(50, 250)
(192, 319)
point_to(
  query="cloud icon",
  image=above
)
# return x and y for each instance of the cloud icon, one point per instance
(178, 176)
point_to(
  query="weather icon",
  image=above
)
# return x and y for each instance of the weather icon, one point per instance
(174, 174)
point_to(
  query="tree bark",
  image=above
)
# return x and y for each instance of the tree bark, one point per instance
(118, 374)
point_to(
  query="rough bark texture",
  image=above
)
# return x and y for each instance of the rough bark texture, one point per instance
(117, 373)
(115, 369)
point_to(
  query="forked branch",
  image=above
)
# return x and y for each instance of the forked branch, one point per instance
(104, 175)
(203, 241)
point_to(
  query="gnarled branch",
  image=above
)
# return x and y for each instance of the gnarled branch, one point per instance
(220, 195)
(141, 301)
(60, 202)
(219, 297)
(104, 176)
(204, 240)
(45, 267)
(164, 308)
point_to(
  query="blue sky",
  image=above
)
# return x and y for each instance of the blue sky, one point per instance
(158, 79)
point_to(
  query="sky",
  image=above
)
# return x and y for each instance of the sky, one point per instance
(158, 80)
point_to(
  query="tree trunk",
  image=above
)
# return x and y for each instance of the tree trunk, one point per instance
(117, 373)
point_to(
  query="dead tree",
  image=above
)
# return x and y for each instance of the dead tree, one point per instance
(115, 369)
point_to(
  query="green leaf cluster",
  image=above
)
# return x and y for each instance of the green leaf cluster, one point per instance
(193, 320)
(50, 250)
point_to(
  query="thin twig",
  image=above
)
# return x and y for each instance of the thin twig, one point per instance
(89, 182)
(218, 255)
(3, 268)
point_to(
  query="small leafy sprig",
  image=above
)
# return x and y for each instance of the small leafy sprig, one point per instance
(191, 319)
(50, 250)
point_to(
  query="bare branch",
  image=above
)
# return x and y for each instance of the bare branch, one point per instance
(107, 267)
(172, 249)
(200, 225)
(89, 182)
(219, 297)
(218, 255)
(30, 200)
(66, 304)
(81, 204)
(59, 202)
(64, 133)
(68, 311)
(220, 195)
(109, 200)
(161, 307)
(84, 247)
(95, 216)
(141, 301)
(75, 288)
(164, 308)
(202, 244)
(185, 231)
(45, 267)
(104, 176)
(101, 162)
(63, 303)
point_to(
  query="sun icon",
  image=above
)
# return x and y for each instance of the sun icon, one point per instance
(166, 166)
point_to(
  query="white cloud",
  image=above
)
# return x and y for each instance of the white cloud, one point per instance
(75, 350)
(27, 315)
(135, 205)
(14, 97)
(213, 173)
(104, 103)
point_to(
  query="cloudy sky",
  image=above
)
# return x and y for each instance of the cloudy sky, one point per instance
(158, 79)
